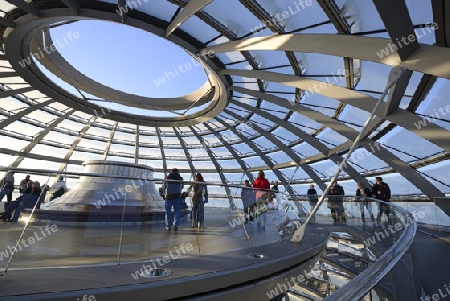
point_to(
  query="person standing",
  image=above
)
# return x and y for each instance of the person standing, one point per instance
(199, 199)
(173, 190)
(336, 203)
(59, 188)
(262, 199)
(312, 198)
(382, 192)
(361, 193)
(26, 193)
(248, 198)
(7, 187)
(23, 184)
(28, 200)
(274, 195)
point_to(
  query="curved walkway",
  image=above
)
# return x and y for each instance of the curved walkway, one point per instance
(433, 261)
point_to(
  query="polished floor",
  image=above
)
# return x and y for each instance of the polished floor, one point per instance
(61, 258)
(433, 257)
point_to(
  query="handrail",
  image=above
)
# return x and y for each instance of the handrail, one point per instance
(359, 286)
(353, 290)
(48, 172)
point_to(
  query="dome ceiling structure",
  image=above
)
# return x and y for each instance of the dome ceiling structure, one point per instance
(289, 85)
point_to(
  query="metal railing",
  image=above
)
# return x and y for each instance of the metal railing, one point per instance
(397, 259)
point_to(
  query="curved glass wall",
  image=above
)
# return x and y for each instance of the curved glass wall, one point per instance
(287, 87)
(264, 124)
(371, 257)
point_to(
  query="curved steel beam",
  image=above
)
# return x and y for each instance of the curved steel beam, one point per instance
(396, 163)
(29, 8)
(161, 148)
(431, 131)
(231, 150)
(56, 63)
(108, 144)
(332, 123)
(73, 5)
(190, 9)
(7, 22)
(216, 164)
(293, 155)
(26, 150)
(186, 153)
(278, 143)
(8, 151)
(249, 142)
(7, 93)
(314, 142)
(399, 25)
(17, 48)
(136, 145)
(428, 59)
(74, 145)
(405, 170)
(4, 123)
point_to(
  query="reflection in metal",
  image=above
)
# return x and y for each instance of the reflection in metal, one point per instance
(257, 256)
(156, 273)
(103, 197)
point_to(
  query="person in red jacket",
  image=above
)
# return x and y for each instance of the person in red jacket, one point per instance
(262, 186)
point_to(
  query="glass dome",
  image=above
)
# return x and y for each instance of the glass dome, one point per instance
(287, 87)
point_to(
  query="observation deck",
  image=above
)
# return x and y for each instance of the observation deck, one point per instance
(397, 258)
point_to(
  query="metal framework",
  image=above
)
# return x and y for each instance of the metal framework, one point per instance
(253, 93)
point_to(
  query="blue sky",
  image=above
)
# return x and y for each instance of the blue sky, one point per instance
(127, 58)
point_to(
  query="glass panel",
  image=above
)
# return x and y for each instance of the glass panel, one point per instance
(240, 23)
(292, 15)
(198, 29)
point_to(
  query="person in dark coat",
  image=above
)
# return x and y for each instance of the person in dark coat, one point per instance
(313, 199)
(361, 193)
(7, 186)
(248, 198)
(199, 199)
(15, 205)
(336, 203)
(382, 192)
(173, 191)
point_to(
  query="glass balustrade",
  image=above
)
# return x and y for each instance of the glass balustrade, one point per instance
(368, 256)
